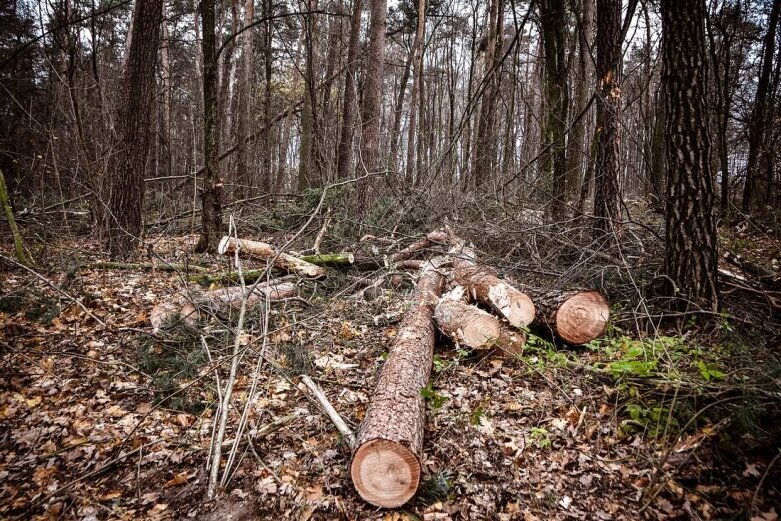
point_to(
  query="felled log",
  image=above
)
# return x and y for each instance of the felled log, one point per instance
(482, 285)
(330, 259)
(219, 298)
(284, 261)
(472, 327)
(576, 317)
(146, 266)
(386, 464)
(371, 262)
(765, 276)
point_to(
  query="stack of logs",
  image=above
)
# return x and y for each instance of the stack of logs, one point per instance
(479, 310)
(386, 462)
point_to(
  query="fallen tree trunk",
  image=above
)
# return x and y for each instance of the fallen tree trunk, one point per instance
(386, 464)
(330, 259)
(472, 327)
(377, 261)
(483, 286)
(187, 311)
(146, 266)
(575, 316)
(284, 261)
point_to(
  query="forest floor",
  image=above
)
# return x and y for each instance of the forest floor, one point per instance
(114, 420)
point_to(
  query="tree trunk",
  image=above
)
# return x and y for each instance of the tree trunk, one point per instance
(758, 131)
(412, 130)
(289, 263)
(553, 29)
(9, 217)
(372, 98)
(344, 152)
(386, 466)
(577, 147)
(393, 159)
(471, 327)
(211, 193)
(126, 193)
(244, 111)
(607, 191)
(485, 287)
(484, 142)
(575, 316)
(691, 257)
(183, 309)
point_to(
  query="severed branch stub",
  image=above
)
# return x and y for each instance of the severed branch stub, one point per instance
(336, 419)
(386, 464)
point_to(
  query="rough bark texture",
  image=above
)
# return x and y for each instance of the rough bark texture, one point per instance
(758, 131)
(552, 22)
(344, 153)
(219, 298)
(483, 286)
(386, 465)
(412, 129)
(372, 98)
(470, 326)
(126, 193)
(576, 317)
(607, 195)
(283, 261)
(211, 193)
(691, 257)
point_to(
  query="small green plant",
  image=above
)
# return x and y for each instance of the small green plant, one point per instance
(439, 364)
(476, 415)
(540, 438)
(434, 399)
(708, 373)
(436, 487)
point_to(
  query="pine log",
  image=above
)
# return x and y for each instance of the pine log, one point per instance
(282, 260)
(576, 317)
(187, 311)
(482, 285)
(377, 261)
(330, 259)
(386, 465)
(470, 326)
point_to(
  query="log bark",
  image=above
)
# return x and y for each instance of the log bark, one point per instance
(369, 262)
(472, 327)
(576, 317)
(282, 260)
(386, 465)
(187, 311)
(483, 286)
(330, 259)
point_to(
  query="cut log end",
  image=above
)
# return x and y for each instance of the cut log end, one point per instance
(385, 473)
(583, 317)
(222, 247)
(514, 305)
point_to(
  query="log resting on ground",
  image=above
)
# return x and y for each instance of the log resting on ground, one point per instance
(386, 465)
(472, 327)
(371, 262)
(282, 260)
(220, 298)
(484, 286)
(575, 316)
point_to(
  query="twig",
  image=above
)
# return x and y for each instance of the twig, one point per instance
(321, 233)
(337, 420)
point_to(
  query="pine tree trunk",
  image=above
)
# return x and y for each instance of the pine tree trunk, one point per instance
(126, 193)
(691, 256)
(412, 130)
(554, 164)
(607, 191)
(386, 465)
(344, 152)
(371, 112)
(758, 131)
(211, 193)
(575, 316)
